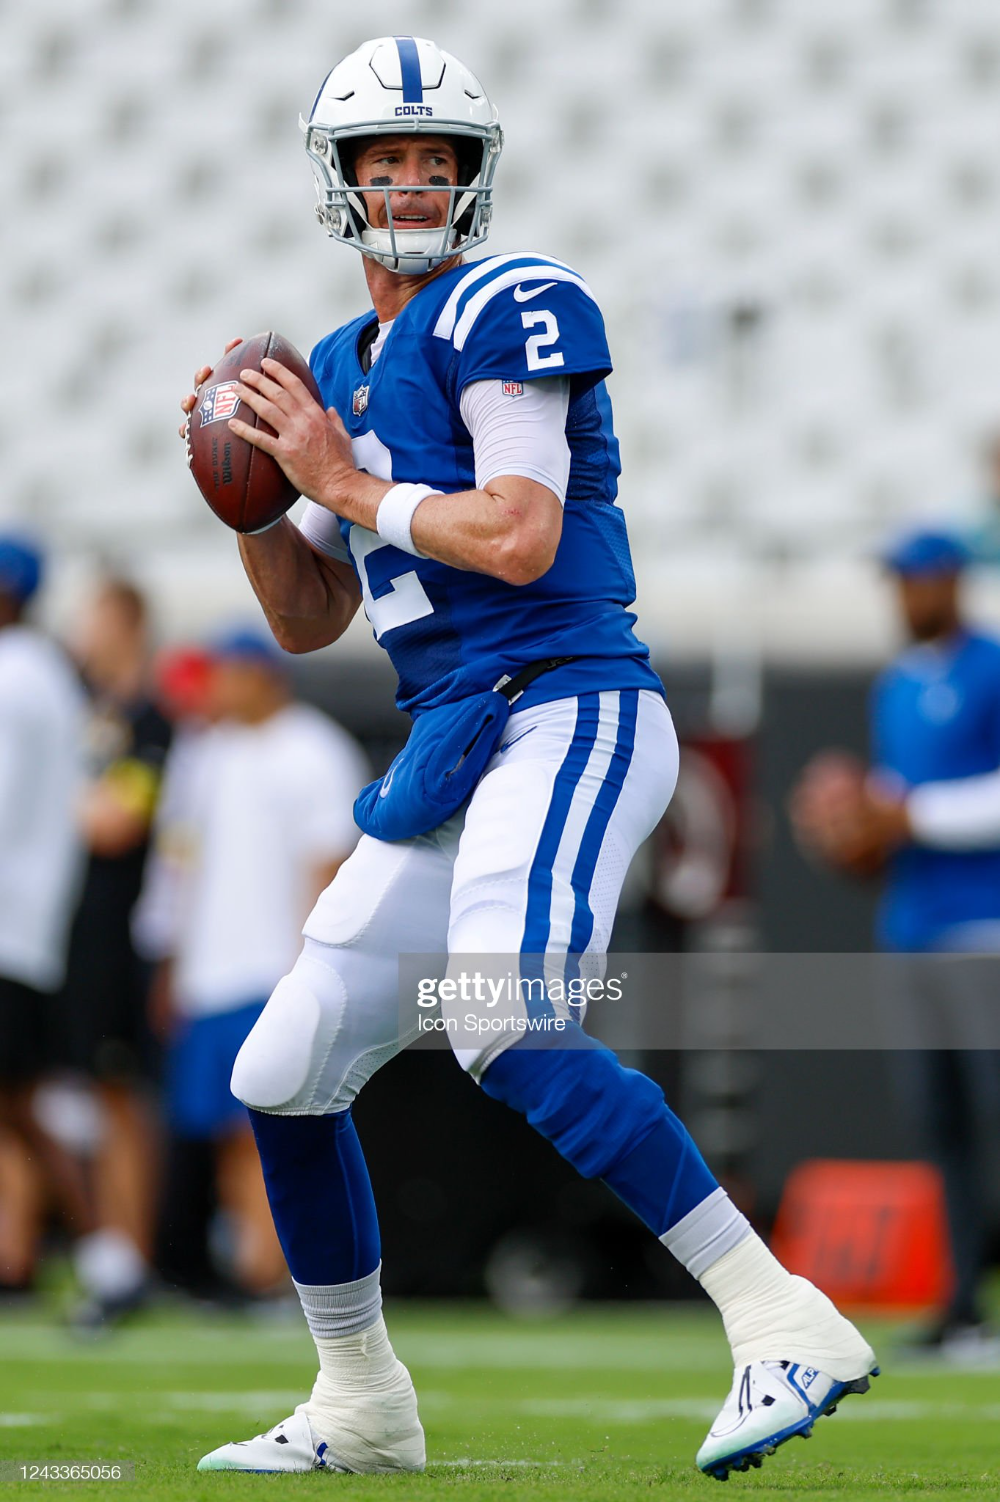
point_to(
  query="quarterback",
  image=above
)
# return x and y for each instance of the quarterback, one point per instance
(462, 486)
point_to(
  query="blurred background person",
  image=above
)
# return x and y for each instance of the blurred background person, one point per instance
(256, 819)
(104, 1000)
(41, 720)
(183, 683)
(927, 816)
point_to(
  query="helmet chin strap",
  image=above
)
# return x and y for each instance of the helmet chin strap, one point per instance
(416, 250)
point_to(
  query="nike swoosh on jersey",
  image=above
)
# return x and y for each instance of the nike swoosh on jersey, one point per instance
(387, 782)
(524, 294)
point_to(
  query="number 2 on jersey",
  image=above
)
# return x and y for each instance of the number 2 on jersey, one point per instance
(537, 342)
(406, 599)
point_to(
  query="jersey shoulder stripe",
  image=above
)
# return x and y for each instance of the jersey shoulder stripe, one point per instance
(497, 273)
(511, 278)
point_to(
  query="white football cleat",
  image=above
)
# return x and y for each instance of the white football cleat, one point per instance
(293, 1445)
(770, 1402)
(289, 1446)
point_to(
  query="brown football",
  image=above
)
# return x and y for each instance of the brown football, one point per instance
(245, 487)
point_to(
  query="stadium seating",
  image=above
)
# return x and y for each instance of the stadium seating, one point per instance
(789, 213)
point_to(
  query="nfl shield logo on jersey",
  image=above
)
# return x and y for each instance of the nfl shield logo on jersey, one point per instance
(360, 400)
(220, 402)
(512, 388)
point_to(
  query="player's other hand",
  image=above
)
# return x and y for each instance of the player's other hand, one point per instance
(826, 803)
(312, 446)
(843, 818)
(200, 377)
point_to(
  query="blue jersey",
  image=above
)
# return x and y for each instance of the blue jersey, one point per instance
(936, 717)
(449, 632)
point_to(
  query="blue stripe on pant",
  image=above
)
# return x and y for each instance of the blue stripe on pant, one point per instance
(539, 904)
(583, 862)
(600, 817)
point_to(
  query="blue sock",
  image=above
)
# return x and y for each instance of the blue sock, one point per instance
(320, 1195)
(610, 1122)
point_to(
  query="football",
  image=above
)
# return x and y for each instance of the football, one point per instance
(829, 792)
(245, 487)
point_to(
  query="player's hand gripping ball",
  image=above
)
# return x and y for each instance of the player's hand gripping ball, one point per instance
(245, 487)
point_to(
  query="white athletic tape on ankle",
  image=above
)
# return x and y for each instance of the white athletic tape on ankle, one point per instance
(772, 1315)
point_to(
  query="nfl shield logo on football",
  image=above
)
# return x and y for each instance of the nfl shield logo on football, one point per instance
(512, 388)
(220, 402)
(360, 400)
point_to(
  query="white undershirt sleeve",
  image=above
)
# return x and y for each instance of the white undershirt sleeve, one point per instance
(511, 435)
(524, 434)
(321, 530)
(959, 815)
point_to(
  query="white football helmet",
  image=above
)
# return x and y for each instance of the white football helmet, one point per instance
(392, 86)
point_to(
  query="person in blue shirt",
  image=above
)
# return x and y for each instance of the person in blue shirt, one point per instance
(462, 479)
(936, 738)
(927, 818)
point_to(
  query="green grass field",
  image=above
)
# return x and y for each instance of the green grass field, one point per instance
(603, 1403)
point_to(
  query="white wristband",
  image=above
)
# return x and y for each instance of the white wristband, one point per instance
(395, 515)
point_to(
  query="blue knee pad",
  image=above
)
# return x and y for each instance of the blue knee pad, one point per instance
(609, 1122)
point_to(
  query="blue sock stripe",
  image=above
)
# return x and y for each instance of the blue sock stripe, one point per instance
(539, 906)
(409, 67)
(600, 817)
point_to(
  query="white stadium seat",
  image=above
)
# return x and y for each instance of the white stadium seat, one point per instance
(789, 212)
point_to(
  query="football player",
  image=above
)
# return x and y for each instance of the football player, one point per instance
(462, 484)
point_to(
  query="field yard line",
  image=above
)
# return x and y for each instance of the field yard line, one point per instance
(267, 1401)
(561, 1353)
(190, 1348)
(234, 1400)
(493, 1350)
(23, 1420)
(871, 1412)
(621, 1412)
(283, 1399)
(643, 1411)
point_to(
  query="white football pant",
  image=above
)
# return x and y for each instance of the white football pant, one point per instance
(532, 865)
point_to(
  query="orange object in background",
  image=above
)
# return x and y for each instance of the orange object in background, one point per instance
(871, 1235)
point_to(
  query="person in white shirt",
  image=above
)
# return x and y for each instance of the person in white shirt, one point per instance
(257, 816)
(41, 732)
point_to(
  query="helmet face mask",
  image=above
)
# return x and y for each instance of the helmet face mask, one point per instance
(397, 86)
